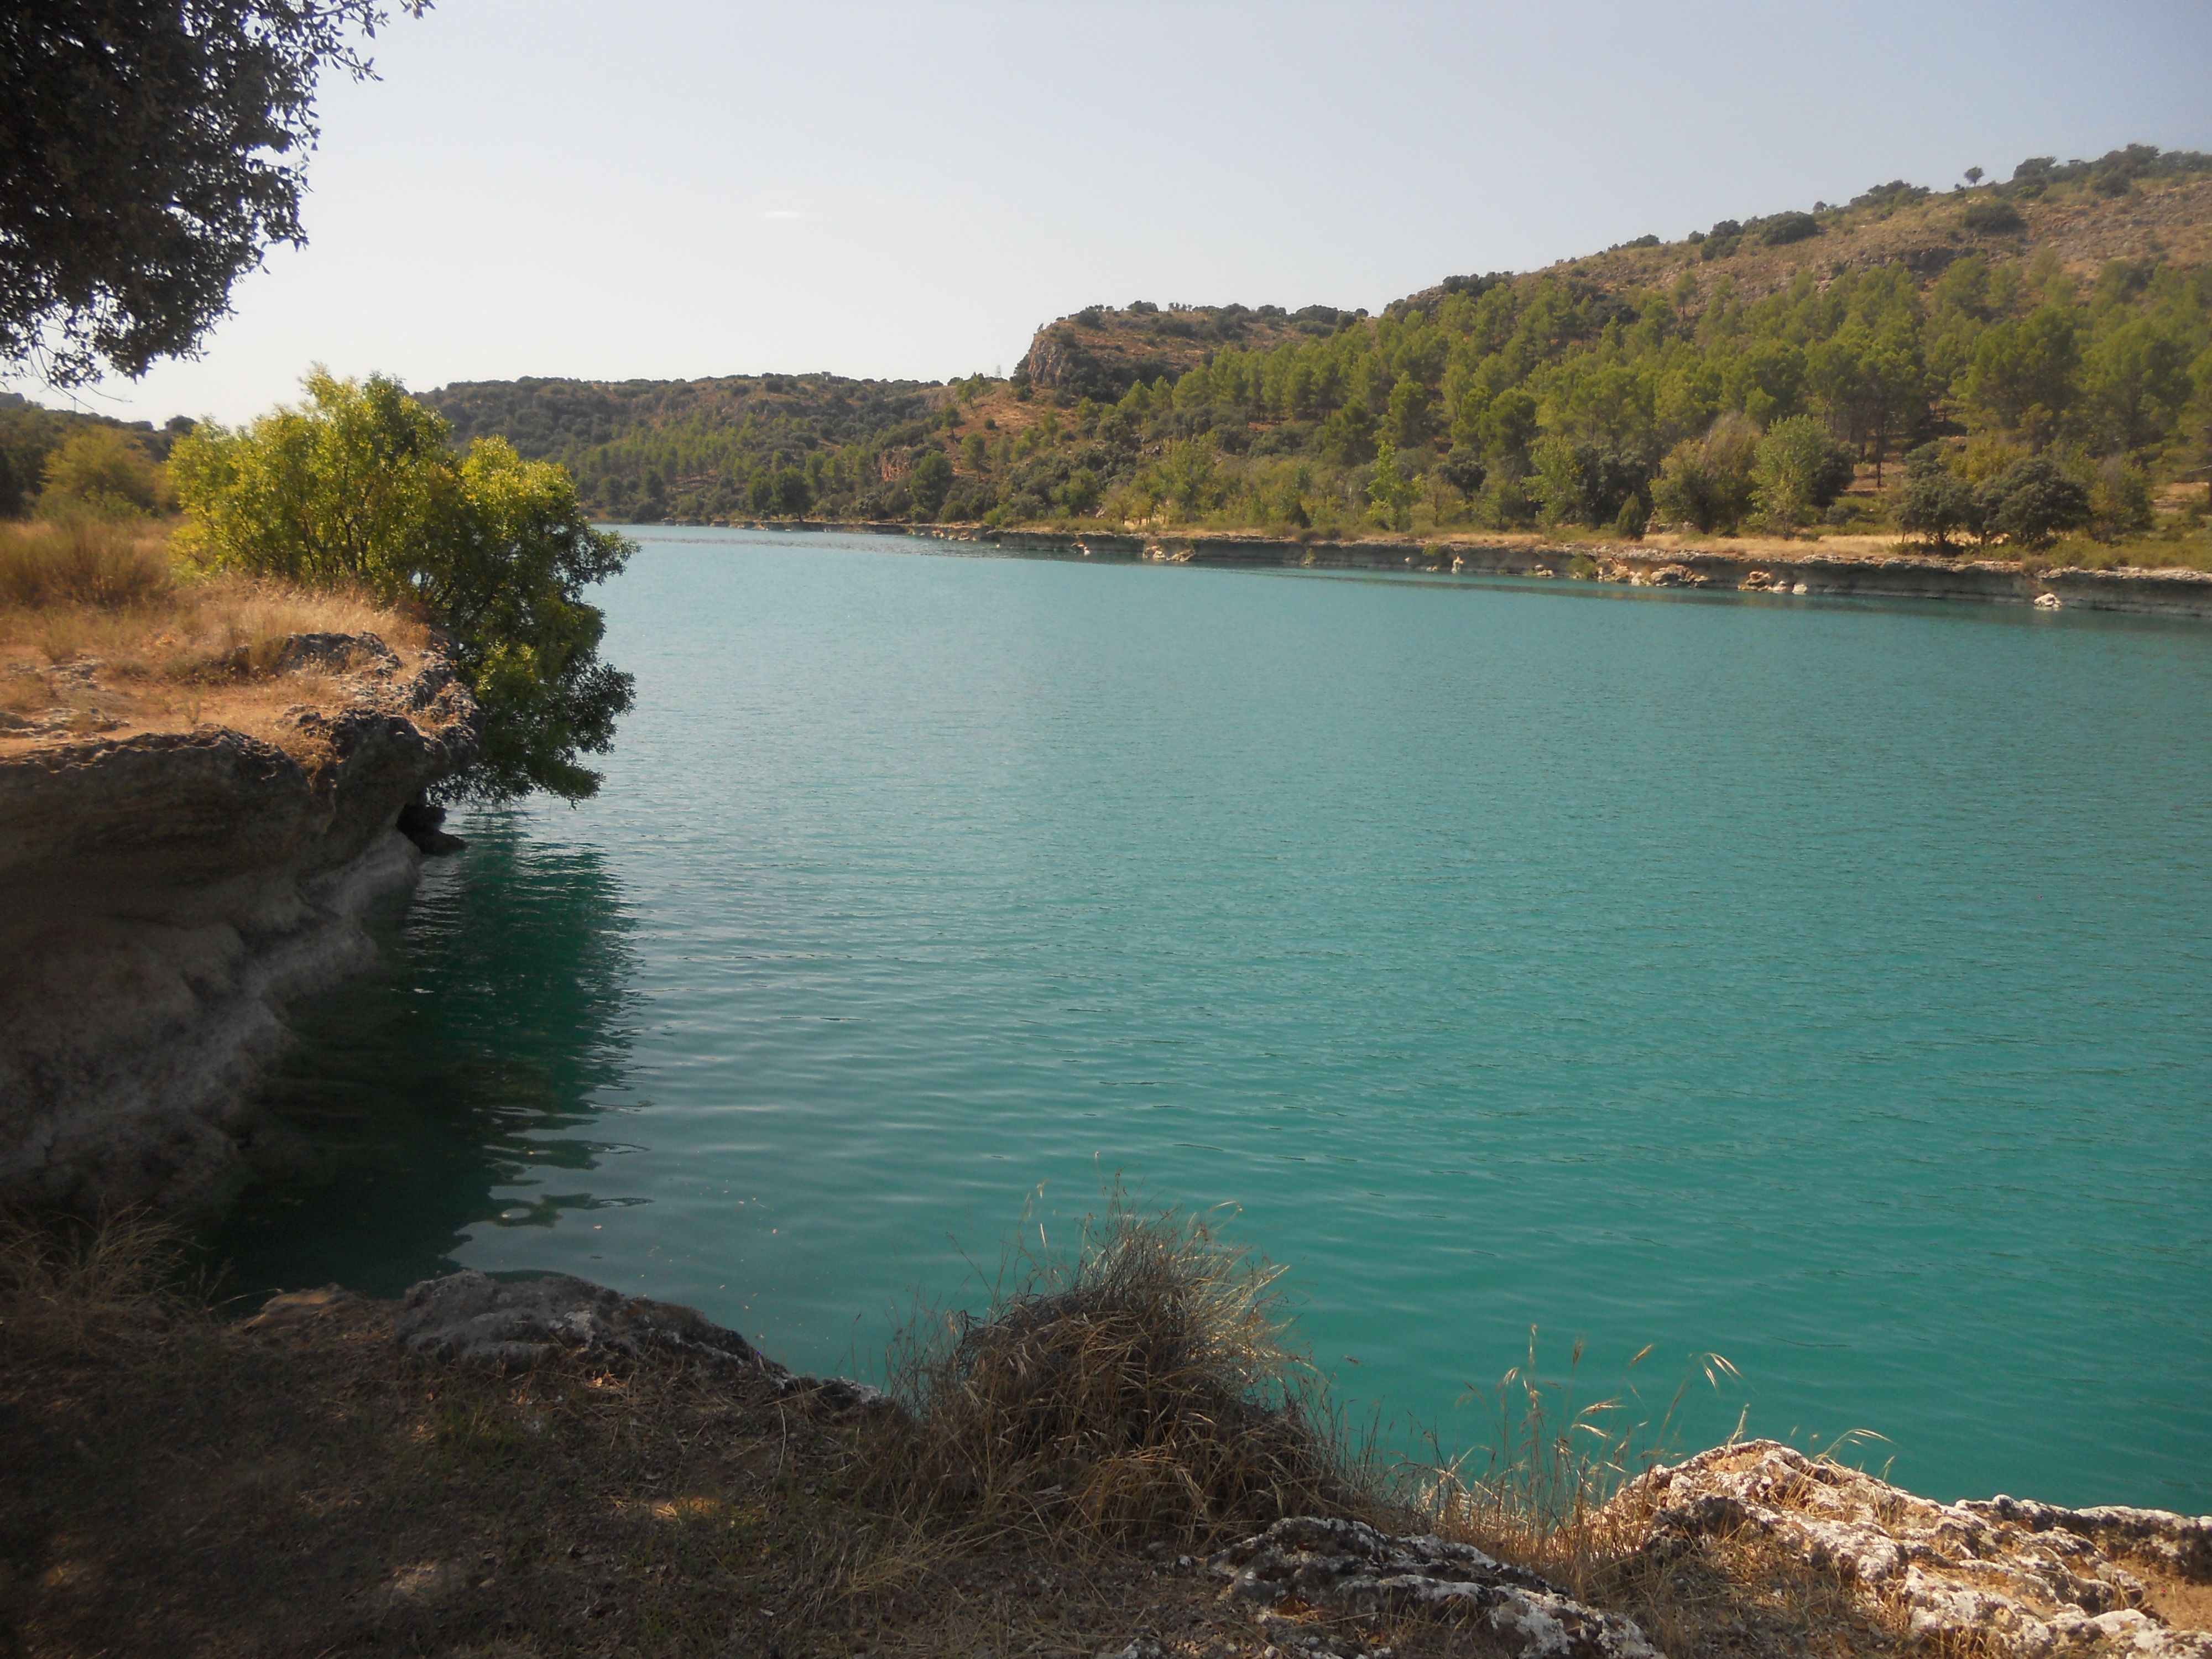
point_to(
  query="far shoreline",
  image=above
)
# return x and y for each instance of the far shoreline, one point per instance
(1774, 569)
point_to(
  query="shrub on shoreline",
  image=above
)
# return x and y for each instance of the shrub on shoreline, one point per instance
(360, 485)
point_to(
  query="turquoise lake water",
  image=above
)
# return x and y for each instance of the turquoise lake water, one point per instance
(1826, 986)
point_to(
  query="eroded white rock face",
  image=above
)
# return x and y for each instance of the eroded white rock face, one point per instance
(2020, 1577)
(1348, 1567)
(162, 895)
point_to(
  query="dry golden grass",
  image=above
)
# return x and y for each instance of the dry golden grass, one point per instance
(168, 648)
(63, 1285)
(99, 563)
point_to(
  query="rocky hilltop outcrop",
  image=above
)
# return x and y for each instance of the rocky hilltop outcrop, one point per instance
(163, 895)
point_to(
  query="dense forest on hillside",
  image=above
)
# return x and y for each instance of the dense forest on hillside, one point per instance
(1998, 364)
(654, 449)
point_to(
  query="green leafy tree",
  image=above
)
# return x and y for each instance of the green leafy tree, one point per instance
(2032, 502)
(1992, 216)
(1188, 473)
(1082, 492)
(2022, 378)
(1390, 493)
(789, 492)
(101, 470)
(1935, 504)
(2135, 381)
(1557, 475)
(1767, 382)
(1463, 469)
(1509, 428)
(2119, 500)
(1586, 483)
(1707, 482)
(359, 485)
(930, 483)
(1799, 469)
(1785, 228)
(1347, 436)
(1410, 418)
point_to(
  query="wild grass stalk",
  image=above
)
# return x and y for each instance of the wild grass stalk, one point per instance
(1543, 1491)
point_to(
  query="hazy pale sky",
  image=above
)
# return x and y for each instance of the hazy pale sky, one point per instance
(670, 188)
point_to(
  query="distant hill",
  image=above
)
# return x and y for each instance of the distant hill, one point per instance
(2164, 212)
(2065, 314)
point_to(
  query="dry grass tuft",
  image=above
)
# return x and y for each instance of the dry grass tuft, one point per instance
(67, 1286)
(1144, 1388)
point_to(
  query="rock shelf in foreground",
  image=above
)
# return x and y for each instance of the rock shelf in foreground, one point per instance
(2005, 1576)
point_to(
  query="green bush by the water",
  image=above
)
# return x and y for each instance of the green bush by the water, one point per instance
(360, 485)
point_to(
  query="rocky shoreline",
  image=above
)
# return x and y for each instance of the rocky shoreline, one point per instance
(163, 895)
(1746, 1548)
(1811, 574)
(2017, 1576)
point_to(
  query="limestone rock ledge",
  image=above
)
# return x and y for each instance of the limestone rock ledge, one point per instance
(162, 897)
(2001, 1575)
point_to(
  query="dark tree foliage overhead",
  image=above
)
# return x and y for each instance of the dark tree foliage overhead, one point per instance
(150, 151)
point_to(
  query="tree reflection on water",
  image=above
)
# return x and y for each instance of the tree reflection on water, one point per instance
(454, 1086)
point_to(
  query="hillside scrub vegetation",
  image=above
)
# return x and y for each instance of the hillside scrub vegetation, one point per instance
(645, 451)
(1771, 375)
